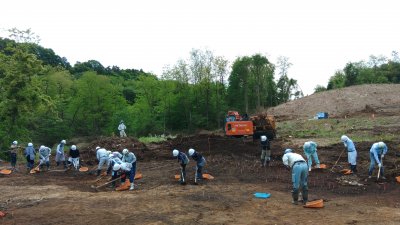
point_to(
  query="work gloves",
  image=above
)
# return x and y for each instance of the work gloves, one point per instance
(382, 156)
(379, 165)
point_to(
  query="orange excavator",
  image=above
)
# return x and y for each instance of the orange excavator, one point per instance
(237, 125)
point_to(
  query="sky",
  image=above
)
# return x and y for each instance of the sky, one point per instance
(318, 37)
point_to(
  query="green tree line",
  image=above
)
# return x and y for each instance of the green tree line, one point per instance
(377, 70)
(44, 99)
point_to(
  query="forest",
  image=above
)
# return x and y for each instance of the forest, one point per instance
(44, 98)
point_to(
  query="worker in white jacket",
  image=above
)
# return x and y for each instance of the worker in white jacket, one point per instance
(122, 128)
(299, 174)
(103, 158)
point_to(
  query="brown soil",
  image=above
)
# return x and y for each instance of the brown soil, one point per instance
(371, 98)
(67, 197)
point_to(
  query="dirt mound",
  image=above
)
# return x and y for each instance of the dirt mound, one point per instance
(372, 98)
(88, 153)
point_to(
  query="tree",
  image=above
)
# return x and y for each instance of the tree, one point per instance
(21, 95)
(95, 100)
(351, 72)
(337, 80)
(319, 88)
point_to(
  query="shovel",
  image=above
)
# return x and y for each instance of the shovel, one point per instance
(338, 159)
(379, 170)
(183, 177)
(96, 188)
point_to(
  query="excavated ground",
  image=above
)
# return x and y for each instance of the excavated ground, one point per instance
(58, 197)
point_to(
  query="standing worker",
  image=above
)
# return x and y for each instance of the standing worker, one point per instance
(13, 154)
(74, 156)
(102, 157)
(44, 156)
(200, 163)
(310, 150)
(30, 156)
(376, 154)
(265, 151)
(183, 160)
(122, 129)
(351, 152)
(60, 156)
(129, 158)
(299, 174)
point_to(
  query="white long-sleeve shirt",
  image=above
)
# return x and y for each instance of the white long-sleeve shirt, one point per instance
(290, 158)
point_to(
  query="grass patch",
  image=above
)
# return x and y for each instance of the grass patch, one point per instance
(359, 129)
(155, 138)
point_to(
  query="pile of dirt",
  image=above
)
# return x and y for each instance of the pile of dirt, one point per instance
(371, 98)
(88, 153)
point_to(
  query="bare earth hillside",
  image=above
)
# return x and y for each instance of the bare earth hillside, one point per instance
(378, 98)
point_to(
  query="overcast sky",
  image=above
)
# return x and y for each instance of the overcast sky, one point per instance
(318, 37)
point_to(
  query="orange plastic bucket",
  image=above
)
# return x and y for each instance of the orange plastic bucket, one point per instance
(322, 166)
(315, 204)
(138, 176)
(207, 176)
(124, 187)
(398, 179)
(83, 169)
(177, 176)
(5, 171)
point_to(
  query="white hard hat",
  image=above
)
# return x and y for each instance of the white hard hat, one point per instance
(123, 167)
(73, 147)
(42, 146)
(108, 152)
(175, 153)
(97, 147)
(307, 144)
(263, 138)
(288, 150)
(191, 152)
(381, 144)
(30, 144)
(15, 142)
(63, 141)
(344, 138)
(116, 167)
(125, 151)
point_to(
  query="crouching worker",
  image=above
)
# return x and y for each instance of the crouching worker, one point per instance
(114, 158)
(125, 169)
(376, 154)
(102, 157)
(129, 158)
(200, 163)
(183, 160)
(44, 156)
(299, 174)
(310, 150)
(74, 156)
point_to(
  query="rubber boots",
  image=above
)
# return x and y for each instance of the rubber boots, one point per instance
(132, 187)
(305, 196)
(98, 172)
(295, 196)
(262, 162)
